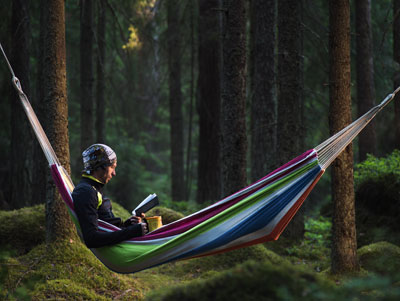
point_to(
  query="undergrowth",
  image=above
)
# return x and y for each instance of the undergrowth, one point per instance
(281, 270)
(374, 168)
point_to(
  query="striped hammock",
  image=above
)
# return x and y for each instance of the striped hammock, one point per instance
(255, 214)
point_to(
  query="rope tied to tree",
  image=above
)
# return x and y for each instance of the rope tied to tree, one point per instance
(37, 127)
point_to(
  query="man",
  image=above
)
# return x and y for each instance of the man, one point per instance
(100, 162)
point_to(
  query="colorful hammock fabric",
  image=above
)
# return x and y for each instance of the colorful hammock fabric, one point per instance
(255, 214)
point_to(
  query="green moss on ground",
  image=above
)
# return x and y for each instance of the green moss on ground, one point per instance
(22, 229)
(251, 281)
(382, 258)
(65, 270)
(378, 199)
(204, 267)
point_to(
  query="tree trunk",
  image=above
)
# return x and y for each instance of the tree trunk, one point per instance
(188, 179)
(290, 131)
(40, 163)
(233, 110)
(263, 103)
(58, 223)
(101, 49)
(86, 53)
(365, 76)
(21, 133)
(396, 78)
(175, 100)
(344, 247)
(209, 103)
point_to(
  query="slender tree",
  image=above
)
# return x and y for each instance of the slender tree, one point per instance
(58, 223)
(21, 134)
(86, 71)
(40, 162)
(396, 58)
(175, 100)
(233, 117)
(290, 131)
(263, 103)
(188, 179)
(344, 247)
(209, 103)
(100, 81)
(365, 75)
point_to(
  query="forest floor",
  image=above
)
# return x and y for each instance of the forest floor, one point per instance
(281, 270)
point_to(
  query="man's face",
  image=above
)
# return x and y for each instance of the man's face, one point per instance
(108, 173)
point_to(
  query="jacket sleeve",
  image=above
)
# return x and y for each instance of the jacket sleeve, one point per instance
(85, 203)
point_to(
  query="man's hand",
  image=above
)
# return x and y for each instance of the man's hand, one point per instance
(144, 228)
(134, 220)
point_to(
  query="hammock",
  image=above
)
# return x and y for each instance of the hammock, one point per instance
(255, 214)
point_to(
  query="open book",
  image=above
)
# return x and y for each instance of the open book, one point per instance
(148, 203)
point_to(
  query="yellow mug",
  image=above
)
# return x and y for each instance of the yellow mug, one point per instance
(154, 222)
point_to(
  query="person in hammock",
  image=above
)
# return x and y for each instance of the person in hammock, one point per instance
(99, 162)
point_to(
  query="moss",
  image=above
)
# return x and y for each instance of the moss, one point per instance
(56, 270)
(251, 281)
(168, 215)
(205, 266)
(382, 258)
(22, 229)
(378, 199)
(64, 289)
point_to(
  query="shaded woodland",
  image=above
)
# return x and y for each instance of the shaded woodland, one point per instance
(199, 99)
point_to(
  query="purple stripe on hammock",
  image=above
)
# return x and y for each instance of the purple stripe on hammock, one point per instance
(61, 187)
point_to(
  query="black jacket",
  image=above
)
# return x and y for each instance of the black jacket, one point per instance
(86, 203)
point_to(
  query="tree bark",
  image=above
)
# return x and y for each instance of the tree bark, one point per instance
(396, 77)
(86, 53)
(40, 163)
(344, 247)
(100, 87)
(290, 131)
(175, 101)
(365, 76)
(233, 110)
(263, 102)
(209, 103)
(58, 223)
(21, 163)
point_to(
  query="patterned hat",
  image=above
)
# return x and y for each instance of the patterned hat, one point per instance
(98, 155)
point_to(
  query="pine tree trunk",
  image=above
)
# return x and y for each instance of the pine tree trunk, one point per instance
(175, 101)
(365, 76)
(21, 132)
(40, 163)
(58, 223)
(101, 49)
(233, 110)
(396, 77)
(263, 103)
(209, 103)
(86, 53)
(290, 131)
(344, 247)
